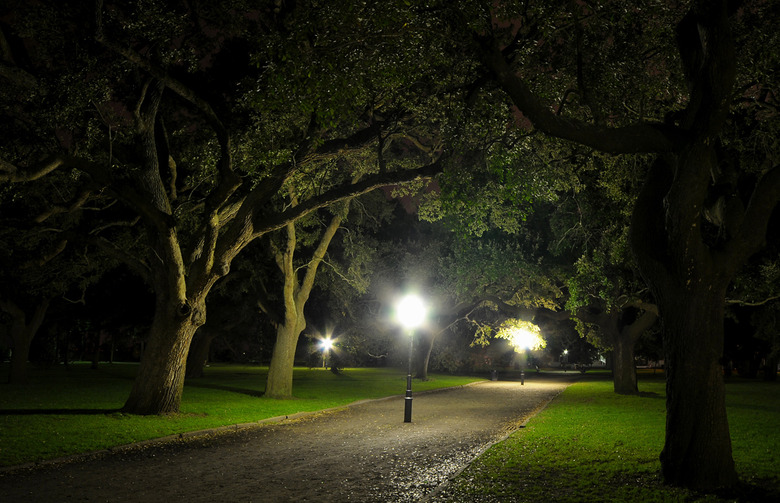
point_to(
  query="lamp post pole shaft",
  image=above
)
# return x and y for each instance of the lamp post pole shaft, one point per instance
(408, 399)
(522, 368)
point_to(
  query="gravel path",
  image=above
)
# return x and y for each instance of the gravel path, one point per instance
(364, 453)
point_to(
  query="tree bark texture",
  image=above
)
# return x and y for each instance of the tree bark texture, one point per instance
(689, 281)
(624, 364)
(697, 448)
(279, 383)
(158, 386)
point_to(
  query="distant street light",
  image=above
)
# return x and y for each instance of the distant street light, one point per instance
(524, 339)
(326, 345)
(410, 313)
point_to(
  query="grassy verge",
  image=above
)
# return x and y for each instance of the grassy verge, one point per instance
(593, 445)
(74, 410)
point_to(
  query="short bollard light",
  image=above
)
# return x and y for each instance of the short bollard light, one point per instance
(410, 313)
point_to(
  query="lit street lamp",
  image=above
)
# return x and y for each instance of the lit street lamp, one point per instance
(326, 345)
(523, 339)
(410, 313)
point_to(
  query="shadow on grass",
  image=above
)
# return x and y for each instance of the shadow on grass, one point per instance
(63, 412)
(243, 391)
(758, 492)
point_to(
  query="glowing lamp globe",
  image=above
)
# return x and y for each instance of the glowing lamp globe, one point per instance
(410, 311)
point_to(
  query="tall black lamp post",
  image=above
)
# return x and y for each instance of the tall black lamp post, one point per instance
(410, 313)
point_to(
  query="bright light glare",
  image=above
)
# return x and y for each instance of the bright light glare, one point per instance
(521, 334)
(326, 344)
(525, 339)
(410, 311)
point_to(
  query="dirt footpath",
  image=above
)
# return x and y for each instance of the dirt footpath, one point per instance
(363, 453)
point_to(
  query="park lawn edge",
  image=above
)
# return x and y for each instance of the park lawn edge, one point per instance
(229, 401)
(571, 451)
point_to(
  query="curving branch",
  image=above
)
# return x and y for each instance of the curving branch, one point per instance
(11, 173)
(751, 232)
(638, 138)
(369, 183)
(77, 203)
(739, 302)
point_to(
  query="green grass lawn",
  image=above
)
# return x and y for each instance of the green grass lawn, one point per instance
(79, 405)
(589, 444)
(593, 445)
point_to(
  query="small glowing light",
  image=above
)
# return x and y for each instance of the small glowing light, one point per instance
(410, 311)
(326, 344)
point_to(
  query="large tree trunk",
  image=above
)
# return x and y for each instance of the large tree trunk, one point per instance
(22, 333)
(624, 366)
(19, 356)
(624, 342)
(689, 281)
(770, 368)
(159, 384)
(199, 352)
(697, 450)
(280, 372)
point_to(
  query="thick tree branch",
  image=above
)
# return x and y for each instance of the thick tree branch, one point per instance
(369, 183)
(637, 138)
(229, 181)
(11, 173)
(739, 302)
(646, 320)
(319, 254)
(77, 203)
(753, 228)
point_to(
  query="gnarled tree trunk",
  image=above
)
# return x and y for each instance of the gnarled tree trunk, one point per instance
(158, 386)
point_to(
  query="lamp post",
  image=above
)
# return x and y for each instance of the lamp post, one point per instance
(410, 313)
(325, 344)
(523, 340)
